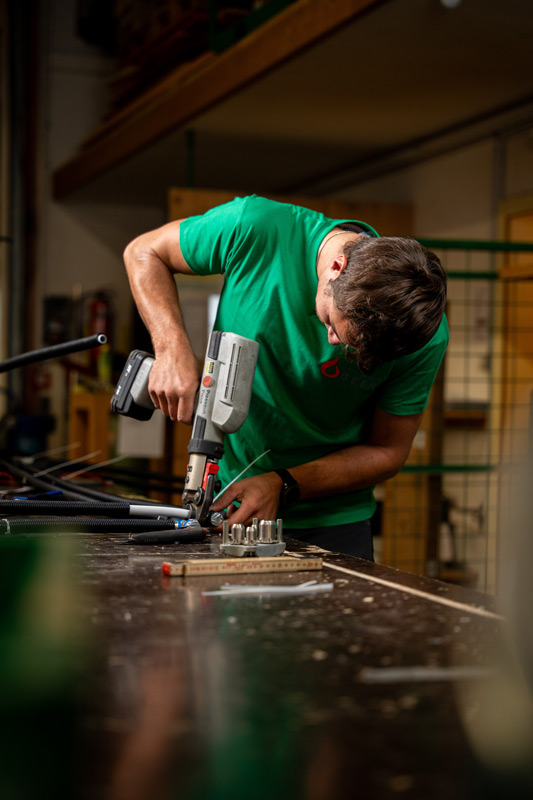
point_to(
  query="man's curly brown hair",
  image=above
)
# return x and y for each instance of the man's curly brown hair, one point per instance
(393, 293)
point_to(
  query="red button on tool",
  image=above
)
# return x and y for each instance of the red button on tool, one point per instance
(210, 469)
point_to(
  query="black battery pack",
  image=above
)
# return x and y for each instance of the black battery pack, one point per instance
(131, 398)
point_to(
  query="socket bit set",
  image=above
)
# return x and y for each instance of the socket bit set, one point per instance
(261, 538)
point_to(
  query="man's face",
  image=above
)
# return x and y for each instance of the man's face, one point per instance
(328, 313)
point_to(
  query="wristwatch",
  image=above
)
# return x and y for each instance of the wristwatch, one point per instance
(290, 491)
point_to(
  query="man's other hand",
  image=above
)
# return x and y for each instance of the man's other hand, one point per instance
(258, 497)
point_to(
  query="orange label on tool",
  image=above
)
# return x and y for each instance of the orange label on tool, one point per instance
(207, 381)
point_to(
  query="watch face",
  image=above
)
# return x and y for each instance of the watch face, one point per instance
(290, 495)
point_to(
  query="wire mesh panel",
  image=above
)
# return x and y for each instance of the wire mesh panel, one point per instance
(444, 514)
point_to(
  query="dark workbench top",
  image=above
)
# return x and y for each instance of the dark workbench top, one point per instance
(358, 692)
(343, 694)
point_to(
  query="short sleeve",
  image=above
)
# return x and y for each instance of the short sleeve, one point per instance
(207, 240)
(407, 389)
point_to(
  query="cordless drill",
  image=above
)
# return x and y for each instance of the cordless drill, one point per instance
(222, 407)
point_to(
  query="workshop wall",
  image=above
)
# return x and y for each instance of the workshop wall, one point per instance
(452, 194)
(80, 241)
(460, 195)
(518, 173)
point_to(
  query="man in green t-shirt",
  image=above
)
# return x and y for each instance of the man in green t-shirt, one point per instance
(351, 332)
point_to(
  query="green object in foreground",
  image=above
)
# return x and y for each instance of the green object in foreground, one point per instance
(37, 668)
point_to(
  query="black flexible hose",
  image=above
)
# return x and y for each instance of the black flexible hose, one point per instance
(80, 525)
(63, 508)
(54, 351)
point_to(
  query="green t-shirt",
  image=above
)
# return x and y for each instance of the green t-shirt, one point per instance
(308, 400)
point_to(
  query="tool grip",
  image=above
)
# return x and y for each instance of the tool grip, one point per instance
(167, 537)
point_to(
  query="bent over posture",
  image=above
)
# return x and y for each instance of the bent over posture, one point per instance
(352, 332)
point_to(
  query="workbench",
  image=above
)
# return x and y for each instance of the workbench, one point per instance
(349, 693)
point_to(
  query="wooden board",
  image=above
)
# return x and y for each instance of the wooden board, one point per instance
(389, 219)
(188, 91)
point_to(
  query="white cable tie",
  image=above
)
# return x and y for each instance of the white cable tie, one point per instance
(71, 475)
(8, 526)
(53, 451)
(228, 587)
(239, 475)
(424, 673)
(15, 491)
(302, 588)
(66, 464)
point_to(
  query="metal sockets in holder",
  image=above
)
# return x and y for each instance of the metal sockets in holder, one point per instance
(261, 538)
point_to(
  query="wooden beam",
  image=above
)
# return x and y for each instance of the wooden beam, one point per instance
(191, 90)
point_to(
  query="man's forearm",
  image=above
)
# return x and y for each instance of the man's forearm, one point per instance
(154, 290)
(175, 374)
(347, 470)
(352, 468)
(337, 473)
(362, 465)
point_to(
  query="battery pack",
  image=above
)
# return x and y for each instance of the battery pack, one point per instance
(131, 398)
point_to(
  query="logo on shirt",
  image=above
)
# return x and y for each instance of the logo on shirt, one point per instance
(330, 369)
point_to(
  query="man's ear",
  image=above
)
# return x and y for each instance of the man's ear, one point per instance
(338, 265)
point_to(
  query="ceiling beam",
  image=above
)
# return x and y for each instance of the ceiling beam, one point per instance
(193, 89)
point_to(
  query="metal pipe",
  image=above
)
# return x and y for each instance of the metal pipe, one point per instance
(54, 351)
(70, 491)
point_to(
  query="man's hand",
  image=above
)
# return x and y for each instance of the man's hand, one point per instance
(258, 496)
(341, 471)
(173, 385)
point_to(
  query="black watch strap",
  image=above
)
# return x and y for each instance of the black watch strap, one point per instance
(290, 491)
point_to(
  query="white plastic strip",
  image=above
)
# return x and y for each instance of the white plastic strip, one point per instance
(173, 512)
(45, 453)
(423, 674)
(66, 464)
(301, 588)
(239, 475)
(93, 466)
(443, 601)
